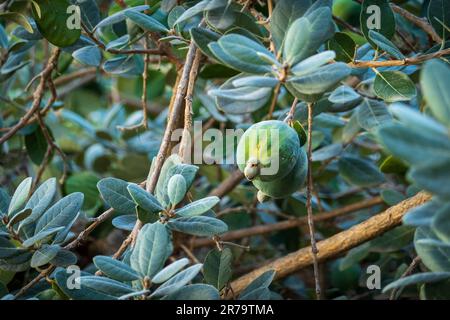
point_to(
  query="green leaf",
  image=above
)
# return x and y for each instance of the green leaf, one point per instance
(119, 42)
(44, 255)
(18, 217)
(222, 18)
(422, 136)
(100, 288)
(301, 132)
(426, 277)
(20, 196)
(39, 236)
(56, 24)
(391, 196)
(115, 269)
(16, 263)
(284, 14)
(153, 248)
(377, 15)
(177, 282)
(241, 53)
(61, 214)
(7, 249)
(312, 63)
(307, 34)
(240, 100)
(435, 291)
(327, 152)
(198, 207)
(146, 22)
(115, 193)
(173, 165)
(202, 38)
(41, 199)
(144, 199)
(176, 189)
(170, 270)
(90, 13)
(393, 165)
(359, 172)
(256, 81)
(202, 226)
(125, 222)
(433, 175)
(434, 77)
(392, 86)
(372, 114)
(261, 283)
(343, 94)
(434, 256)
(196, 291)
(200, 7)
(385, 44)
(85, 182)
(36, 145)
(90, 56)
(18, 18)
(119, 16)
(439, 17)
(4, 201)
(64, 258)
(394, 240)
(217, 267)
(441, 223)
(422, 215)
(320, 80)
(344, 46)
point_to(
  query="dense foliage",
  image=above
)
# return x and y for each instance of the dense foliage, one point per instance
(122, 177)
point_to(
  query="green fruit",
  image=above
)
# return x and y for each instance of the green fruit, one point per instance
(255, 154)
(286, 185)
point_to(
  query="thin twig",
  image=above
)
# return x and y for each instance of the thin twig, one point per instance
(189, 253)
(37, 97)
(274, 101)
(290, 223)
(407, 272)
(309, 192)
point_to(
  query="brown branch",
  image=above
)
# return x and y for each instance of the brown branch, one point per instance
(185, 140)
(274, 100)
(405, 62)
(337, 244)
(291, 223)
(420, 22)
(309, 191)
(175, 113)
(37, 97)
(347, 25)
(228, 184)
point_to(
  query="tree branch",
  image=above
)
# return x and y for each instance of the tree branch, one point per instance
(291, 223)
(309, 191)
(228, 184)
(405, 62)
(337, 244)
(37, 97)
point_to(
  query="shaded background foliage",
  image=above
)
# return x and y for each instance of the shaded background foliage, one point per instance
(380, 133)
